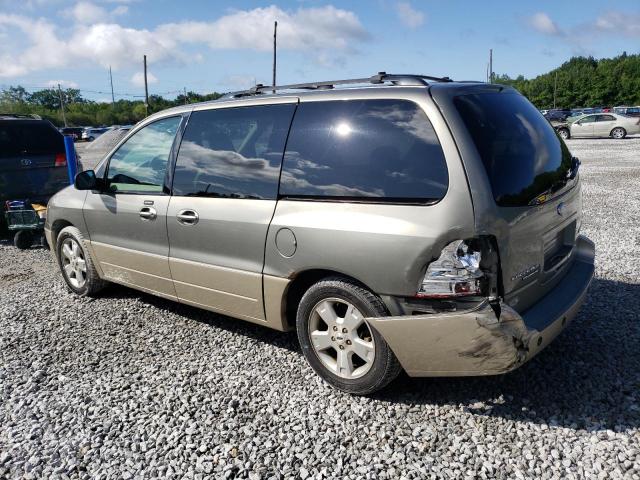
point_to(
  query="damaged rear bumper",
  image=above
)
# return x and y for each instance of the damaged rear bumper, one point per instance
(490, 339)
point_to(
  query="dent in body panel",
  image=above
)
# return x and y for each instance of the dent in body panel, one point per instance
(483, 341)
(148, 271)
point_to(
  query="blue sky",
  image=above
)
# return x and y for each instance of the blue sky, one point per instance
(219, 46)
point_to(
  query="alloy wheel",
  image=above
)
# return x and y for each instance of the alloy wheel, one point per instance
(74, 265)
(341, 338)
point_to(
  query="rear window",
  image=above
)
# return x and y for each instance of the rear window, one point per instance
(19, 138)
(524, 158)
(386, 150)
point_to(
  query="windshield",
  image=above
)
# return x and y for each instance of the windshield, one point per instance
(525, 160)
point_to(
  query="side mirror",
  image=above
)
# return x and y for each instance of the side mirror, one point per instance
(86, 180)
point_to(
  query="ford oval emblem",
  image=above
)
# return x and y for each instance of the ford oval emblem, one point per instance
(25, 162)
(560, 208)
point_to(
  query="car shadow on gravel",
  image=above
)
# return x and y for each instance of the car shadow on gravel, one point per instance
(254, 331)
(588, 378)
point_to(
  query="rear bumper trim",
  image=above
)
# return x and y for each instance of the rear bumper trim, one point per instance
(490, 339)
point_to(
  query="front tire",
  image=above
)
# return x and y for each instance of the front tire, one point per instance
(75, 263)
(337, 341)
(618, 133)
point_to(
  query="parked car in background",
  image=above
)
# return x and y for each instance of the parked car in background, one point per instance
(90, 134)
(600, 125)
(75, 132)
(33, 163)
(558, 114)
(628, 111)
(413, 223)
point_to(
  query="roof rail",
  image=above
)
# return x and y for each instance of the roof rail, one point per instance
(21, 115)
(377, 79)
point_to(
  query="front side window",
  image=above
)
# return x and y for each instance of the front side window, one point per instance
(140, 164)
(385, 150)
(233, 152)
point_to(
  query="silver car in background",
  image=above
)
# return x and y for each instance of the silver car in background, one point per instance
(600, 125)
(409, 223)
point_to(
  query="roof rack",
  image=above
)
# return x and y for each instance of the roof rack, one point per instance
(377, 79)
(20, 115)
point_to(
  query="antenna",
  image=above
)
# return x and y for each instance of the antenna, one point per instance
(275, 34)
(146, 88)
(64, 118)
(113, 98)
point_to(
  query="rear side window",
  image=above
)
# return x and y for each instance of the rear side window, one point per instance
(233, 152)
(606, 118)
(20, 138)
(385, 150)
(524, 158)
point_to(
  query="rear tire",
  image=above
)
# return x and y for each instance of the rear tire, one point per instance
(23, 239)
(338, 343)
(76, 265)
(564, 133)
(618, 133)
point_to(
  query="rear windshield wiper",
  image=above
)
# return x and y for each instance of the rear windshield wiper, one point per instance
(573, 170)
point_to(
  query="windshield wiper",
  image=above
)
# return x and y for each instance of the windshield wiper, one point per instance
(573, 170)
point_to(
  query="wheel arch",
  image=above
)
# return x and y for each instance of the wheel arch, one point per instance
(301, 282)
(56, 228)
(616, 127)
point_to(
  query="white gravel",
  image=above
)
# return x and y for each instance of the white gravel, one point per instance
(132, 386)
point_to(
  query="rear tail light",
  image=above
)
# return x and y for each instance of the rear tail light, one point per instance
(456, 273)
(61, 160)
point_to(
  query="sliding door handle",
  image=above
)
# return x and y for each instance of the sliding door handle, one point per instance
(148, 213)
(187, 217)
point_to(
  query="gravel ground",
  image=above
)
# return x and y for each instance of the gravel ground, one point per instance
(132, 386)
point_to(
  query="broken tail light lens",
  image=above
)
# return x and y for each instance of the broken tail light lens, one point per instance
(61, 160)
(456, 273)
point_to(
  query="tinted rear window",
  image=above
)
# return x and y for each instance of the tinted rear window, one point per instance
(384, 149)
(522, 154)
(19, 138)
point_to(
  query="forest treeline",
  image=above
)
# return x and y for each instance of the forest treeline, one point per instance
(82, 112)
(583, 82)
(580, 82)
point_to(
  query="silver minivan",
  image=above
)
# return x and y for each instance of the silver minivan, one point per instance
(398, 222)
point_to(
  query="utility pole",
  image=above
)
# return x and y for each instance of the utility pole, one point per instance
(146, 88)
(491, 76)
(275, 33)
(185, 95)
(555, 89)
(64, 118)
(113, 98)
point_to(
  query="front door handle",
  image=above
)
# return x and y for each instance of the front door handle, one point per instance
(187, 217)
(148, 213)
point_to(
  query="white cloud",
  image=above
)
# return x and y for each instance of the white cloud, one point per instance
(138, 79)
(62, 83)
(618, 22)
(87, 13)
(408, 15)
(322, 31)
(305, 29)
(543, 24)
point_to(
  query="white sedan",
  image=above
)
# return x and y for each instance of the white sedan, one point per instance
(600, 125)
